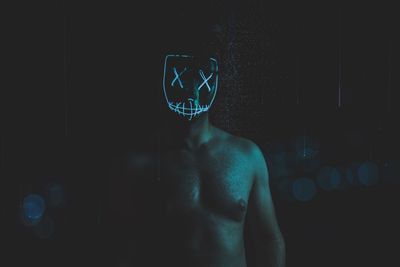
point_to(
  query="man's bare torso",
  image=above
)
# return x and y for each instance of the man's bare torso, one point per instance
(196, 213)
(205, 193)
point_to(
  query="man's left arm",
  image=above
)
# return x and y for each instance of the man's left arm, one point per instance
(264, 230)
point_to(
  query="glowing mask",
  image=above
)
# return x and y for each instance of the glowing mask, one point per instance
(190, 85)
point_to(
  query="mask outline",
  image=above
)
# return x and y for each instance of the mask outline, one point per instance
(191, 111)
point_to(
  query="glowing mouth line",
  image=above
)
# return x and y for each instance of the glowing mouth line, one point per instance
(188, 111)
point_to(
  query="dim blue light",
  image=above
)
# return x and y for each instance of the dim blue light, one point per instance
(328, 178)
(304, 189)
(33, 207)
(368, 174)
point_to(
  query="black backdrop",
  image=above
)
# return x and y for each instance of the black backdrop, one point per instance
(84, 85)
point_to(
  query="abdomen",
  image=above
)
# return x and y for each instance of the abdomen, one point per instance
(203, 238)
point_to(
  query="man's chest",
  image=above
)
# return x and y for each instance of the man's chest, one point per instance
(216, 182)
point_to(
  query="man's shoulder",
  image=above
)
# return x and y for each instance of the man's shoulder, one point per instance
(241, 144)
(249, 151)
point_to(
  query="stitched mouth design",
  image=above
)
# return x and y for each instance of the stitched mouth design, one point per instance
(190, 110)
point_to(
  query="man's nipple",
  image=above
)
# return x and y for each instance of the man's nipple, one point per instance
(239, 210)
(242, 205)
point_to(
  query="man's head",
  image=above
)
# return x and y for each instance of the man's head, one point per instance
(190, 83)
(192, 48)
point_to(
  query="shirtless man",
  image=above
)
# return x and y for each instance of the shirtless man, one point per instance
(212, 206)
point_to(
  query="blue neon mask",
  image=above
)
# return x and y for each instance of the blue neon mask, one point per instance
(190, 84)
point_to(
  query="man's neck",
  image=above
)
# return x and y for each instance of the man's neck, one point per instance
(197, 132)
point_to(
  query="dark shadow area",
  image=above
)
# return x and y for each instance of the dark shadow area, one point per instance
(314, 87)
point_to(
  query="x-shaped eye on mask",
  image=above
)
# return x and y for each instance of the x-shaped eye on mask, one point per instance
(205, 80)
(177, 77)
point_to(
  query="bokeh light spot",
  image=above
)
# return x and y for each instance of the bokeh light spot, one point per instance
(33, 207)
(28, 221)
(328, 178)
(304, 189)
(368, 173)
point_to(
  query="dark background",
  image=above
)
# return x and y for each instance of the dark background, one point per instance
(85, 82)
